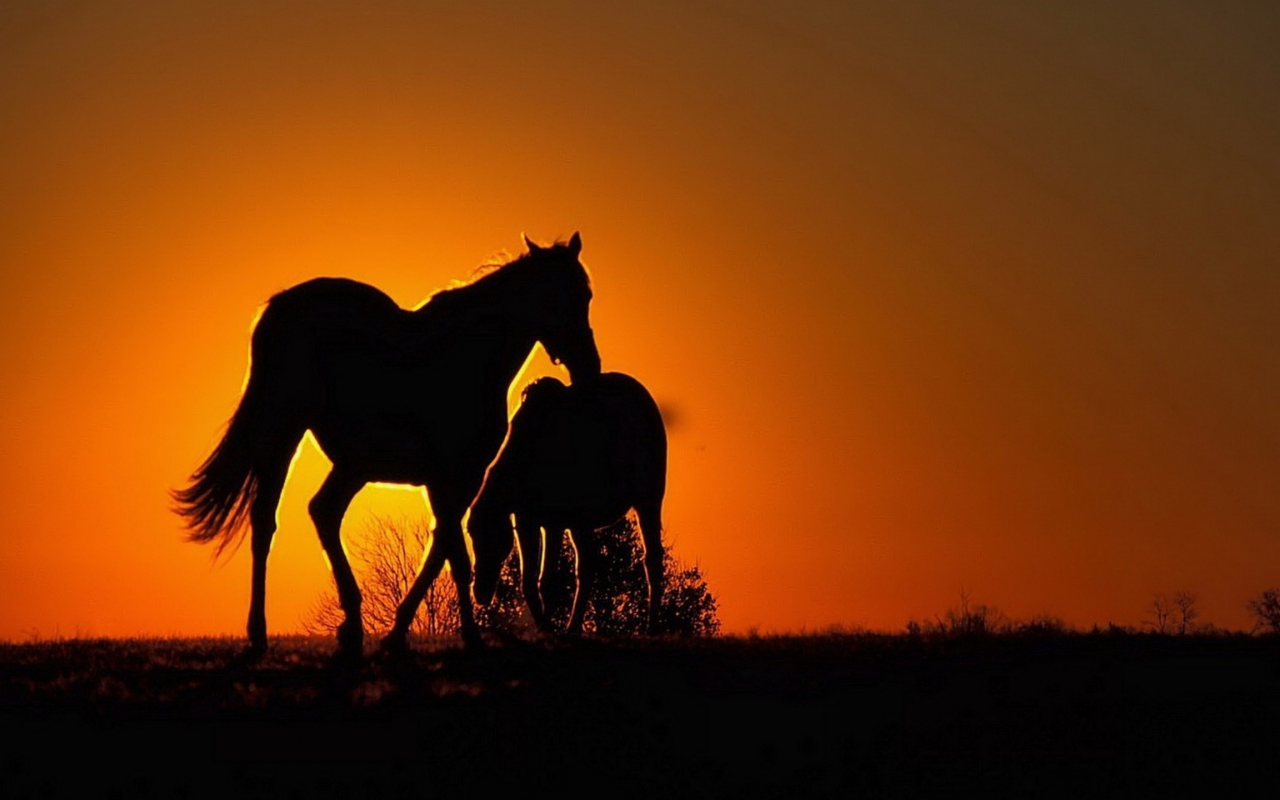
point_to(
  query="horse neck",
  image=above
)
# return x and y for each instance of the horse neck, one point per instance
(487, 341)
(507, 354)
(494, 496)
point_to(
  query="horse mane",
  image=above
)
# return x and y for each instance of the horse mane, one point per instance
(545, 387)
(489, 281)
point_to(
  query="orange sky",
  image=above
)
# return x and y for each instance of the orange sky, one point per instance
(935, 297)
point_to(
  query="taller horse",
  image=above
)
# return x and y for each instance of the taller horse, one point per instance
(411, 397)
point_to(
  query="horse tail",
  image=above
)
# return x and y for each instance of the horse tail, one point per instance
(221, 492)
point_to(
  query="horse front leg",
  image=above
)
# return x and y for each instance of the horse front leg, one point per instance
(396, 640)
(585, 570)
(460, 567)
(447, 544)
(531, 568)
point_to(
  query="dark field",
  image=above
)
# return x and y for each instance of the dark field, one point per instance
(839, 715)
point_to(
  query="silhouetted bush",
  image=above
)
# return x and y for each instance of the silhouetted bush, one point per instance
(1042, 625)
(977, 620)
(1113, 629)
(967, 619)
(618, 604)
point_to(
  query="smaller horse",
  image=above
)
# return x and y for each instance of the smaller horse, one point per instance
(576, 458)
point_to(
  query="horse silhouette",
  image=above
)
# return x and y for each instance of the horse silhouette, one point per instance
(579, 458)
(392, 395)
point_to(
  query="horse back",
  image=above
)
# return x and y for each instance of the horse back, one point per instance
(592, 451)
(364, 375)
(633, 420)
(328, 309)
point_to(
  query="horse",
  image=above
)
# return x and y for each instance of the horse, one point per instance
(416, 397)
(580, 458)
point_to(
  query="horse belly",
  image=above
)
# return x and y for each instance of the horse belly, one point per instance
(580, 497)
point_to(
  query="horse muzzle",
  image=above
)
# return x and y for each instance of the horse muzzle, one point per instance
(583, 359)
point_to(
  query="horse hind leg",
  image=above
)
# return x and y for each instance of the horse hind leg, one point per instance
(649, 520)
(327, 509)
(262, 522)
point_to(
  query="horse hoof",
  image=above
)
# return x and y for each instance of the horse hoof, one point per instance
(545, 628)
(253, 653)
(352, 643)
(393, 647)
(346, 659)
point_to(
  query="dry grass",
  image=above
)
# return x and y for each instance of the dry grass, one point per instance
(836, 712)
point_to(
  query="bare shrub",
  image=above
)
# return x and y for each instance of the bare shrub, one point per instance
(1042, 625)
(978, 619)
(968, 619)
(386, 556)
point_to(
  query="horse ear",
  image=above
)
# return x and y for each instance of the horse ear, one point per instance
(575, 244)
(533, 248)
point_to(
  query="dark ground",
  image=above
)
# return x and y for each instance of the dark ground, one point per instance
(848, 716)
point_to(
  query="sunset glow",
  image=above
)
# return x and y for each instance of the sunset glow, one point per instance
(932, 297)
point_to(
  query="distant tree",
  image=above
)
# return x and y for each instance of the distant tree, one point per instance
(1185, 612)
(1265, 608)
(1177, 614)
(1160, 613)
(387, 554)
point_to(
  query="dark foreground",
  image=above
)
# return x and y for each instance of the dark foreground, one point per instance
(855, 716)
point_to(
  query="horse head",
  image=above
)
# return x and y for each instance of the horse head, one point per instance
(560, 296)
(489, 523)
